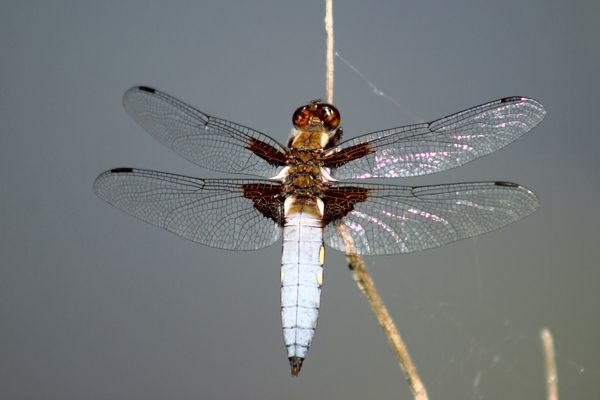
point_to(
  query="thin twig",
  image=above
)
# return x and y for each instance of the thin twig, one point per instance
(329, 50)
(551, 374)
(367, 286)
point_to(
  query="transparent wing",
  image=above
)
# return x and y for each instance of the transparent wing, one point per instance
(400, 219)
(210, 142)
(435, 146)
(228, 214)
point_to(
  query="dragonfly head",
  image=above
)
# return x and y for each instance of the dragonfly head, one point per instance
(316, 116)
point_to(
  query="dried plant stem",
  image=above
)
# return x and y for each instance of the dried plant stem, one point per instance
(329, 50)
(551, 374)
(367, 286)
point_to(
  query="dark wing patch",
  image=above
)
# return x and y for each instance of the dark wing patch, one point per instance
(270, 154)
(354, 152)
(340, 200)
(267, 199)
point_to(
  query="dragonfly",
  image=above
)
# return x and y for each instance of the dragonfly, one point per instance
(305, 190)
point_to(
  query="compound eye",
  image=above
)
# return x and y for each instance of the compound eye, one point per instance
(301, 117)
(330, 116)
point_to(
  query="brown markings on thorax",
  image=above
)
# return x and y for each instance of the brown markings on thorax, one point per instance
(303, 180)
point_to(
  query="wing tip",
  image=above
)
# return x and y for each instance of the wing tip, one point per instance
(136, 89)
(535, 201)
(129, 98)
(511, 99)
(99, 181)
(532, 102)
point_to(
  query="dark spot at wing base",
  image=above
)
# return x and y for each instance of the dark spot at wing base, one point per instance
(507, 184)
(339, 158)
(267, 152)
(146, 89)
(267, 199)
(121, 170)
(340, 200)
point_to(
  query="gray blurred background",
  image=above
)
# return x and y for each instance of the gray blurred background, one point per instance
(95, 304)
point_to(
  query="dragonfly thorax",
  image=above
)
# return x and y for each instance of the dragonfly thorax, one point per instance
(303, 180)
(309, 139)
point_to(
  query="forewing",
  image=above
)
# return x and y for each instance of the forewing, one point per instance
(228, 214)
(435, 146)
(210, 142)
(386, 219)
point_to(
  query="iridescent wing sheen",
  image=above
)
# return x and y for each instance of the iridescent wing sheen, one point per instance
(229, 214)
(435, 146)
(386, 219)
(210, 142)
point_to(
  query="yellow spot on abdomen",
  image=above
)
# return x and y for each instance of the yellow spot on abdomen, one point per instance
(320, 277)
(322, 255)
